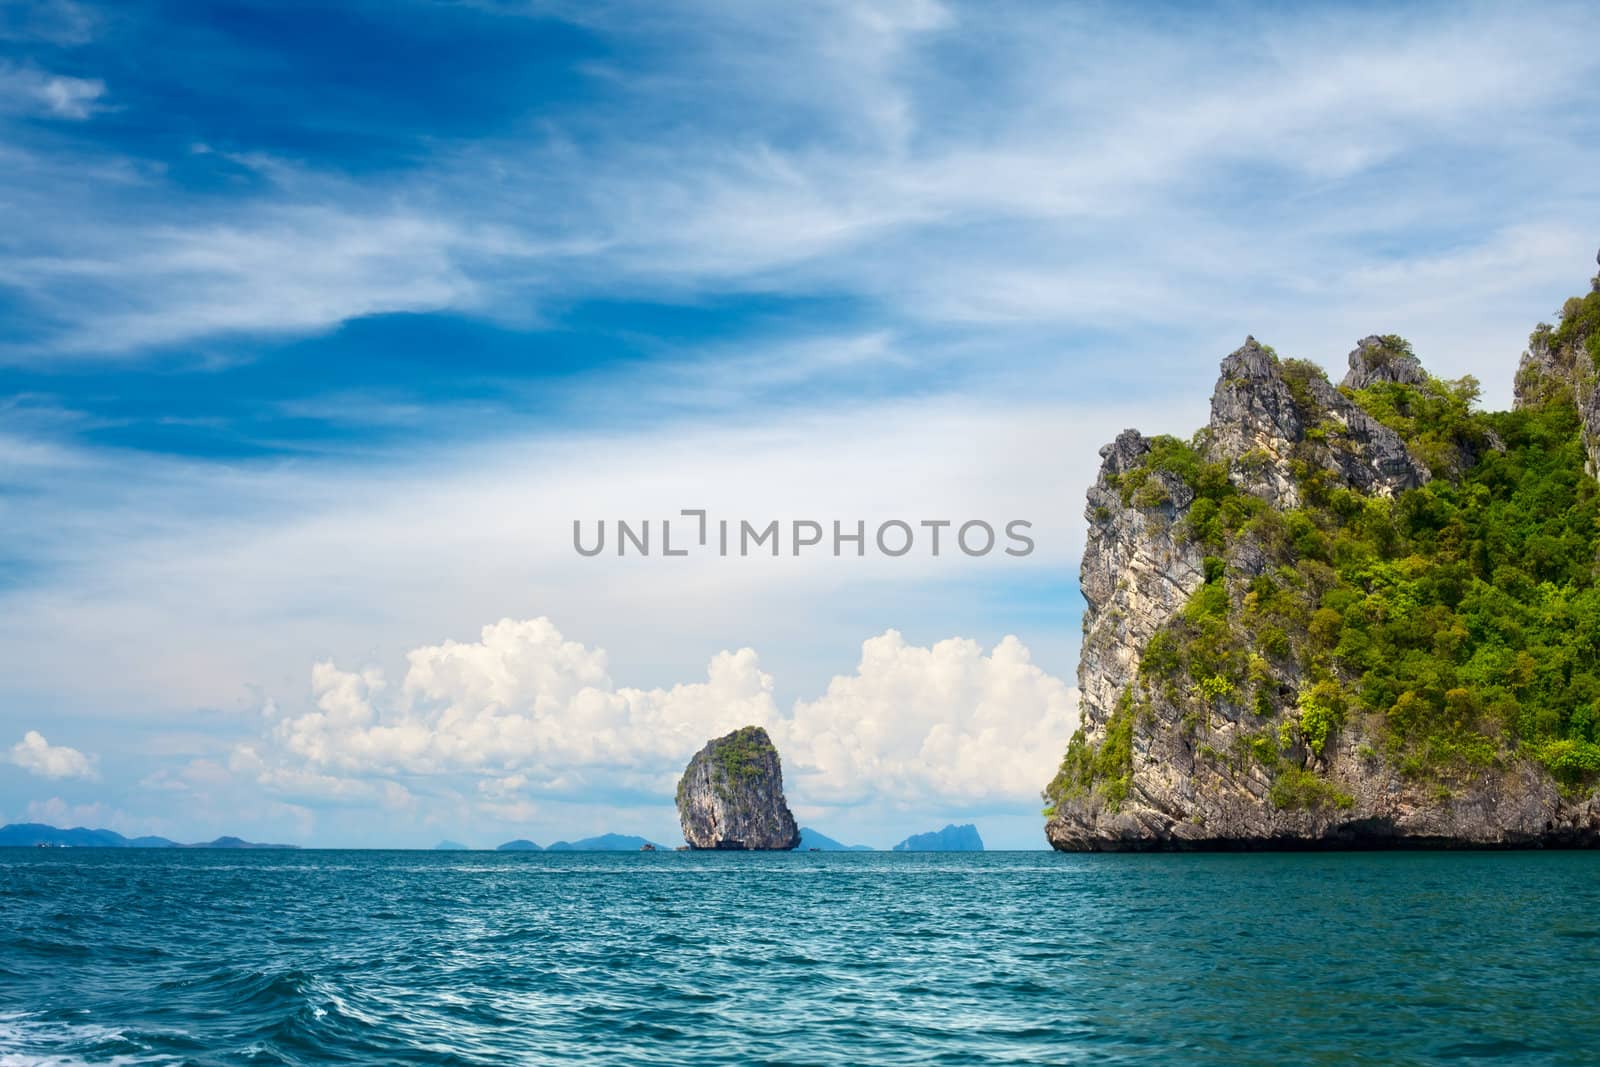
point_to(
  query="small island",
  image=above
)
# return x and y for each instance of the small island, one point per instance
(952, 838)
(731, 796)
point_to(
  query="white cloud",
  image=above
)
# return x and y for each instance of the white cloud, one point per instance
(198, 582)
(24, 89)
(917, 726)
(289, 269)
(1066, 193)
(532, 713)
(38, 756)
(521, 698)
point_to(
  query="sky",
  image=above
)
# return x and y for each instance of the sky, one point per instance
(321, 325)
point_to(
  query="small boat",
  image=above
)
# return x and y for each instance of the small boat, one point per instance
(647, 847)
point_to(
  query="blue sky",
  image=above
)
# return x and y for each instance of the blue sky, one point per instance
(319, 324)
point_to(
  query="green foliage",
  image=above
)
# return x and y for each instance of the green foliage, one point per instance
(1218, 509)
(1580, 324)
(743, 756)
(1296, 787)
(1298, 374)
(1478, 616)
(1162, 656)
(1322, 709)
(1569, 759)
(1436, 420)
(1106, 768)
(1461, 620)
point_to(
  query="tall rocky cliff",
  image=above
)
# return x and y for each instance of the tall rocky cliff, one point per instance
(731, 795)
(1326, 620)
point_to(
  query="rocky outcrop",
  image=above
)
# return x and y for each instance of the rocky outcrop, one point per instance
(1172, 764)
(1382, 359)
(731, 796)
(1562, 361)
(1267, 416)
(1136, 572)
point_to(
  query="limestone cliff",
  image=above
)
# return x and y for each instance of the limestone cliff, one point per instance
(1286, 643)
(1560, 365)
(731, 795)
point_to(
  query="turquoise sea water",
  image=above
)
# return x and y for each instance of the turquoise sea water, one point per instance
(403, 957)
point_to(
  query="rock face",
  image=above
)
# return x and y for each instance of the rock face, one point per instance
(731, 796)
(1266, 415)
(1555, 364)
(1169, 766)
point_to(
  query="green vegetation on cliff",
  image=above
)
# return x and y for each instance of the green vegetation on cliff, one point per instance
(743, 754)
(1107, 767)
(1460, 621)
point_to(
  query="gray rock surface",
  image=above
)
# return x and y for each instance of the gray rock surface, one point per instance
(731, 795)
(1375, 360)
(1135, 573)
(1265, 416)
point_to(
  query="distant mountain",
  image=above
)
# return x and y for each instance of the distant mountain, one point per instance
(952, 838)
(30, 834)
(221, 842)
(33, 833)
(811, 839)
(451, 846)
(603, 843)
(521, 844)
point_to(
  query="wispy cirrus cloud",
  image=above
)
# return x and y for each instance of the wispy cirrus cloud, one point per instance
(1151, 176)
(28, 91)
(55, 22)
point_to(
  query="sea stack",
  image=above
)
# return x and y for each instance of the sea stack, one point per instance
(731, 796)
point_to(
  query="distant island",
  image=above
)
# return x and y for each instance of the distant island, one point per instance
(32, 834)
(451, 846)
(811, 839)
(521, 844)
(603, 843)
(952, 838)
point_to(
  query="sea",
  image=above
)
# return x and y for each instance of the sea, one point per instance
(357, 957)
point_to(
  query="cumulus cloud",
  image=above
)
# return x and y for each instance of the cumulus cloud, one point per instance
(521, 698)
(949, 722)
(38, 756)
(532, 713)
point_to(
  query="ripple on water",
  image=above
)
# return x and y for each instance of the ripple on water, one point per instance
(349, 957)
